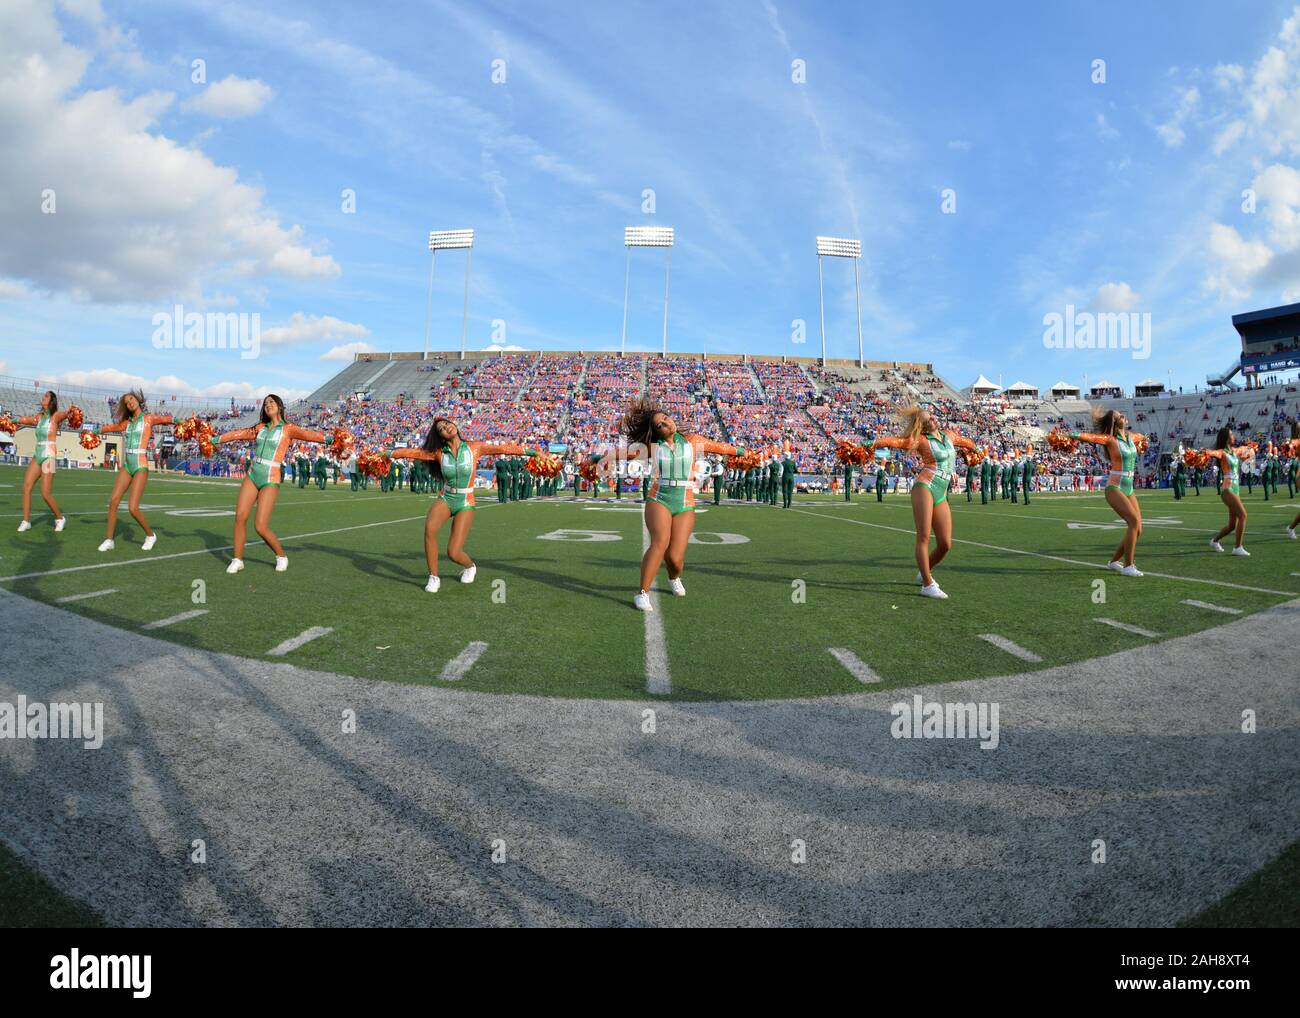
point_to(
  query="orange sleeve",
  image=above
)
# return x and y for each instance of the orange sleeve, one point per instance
(707, 446)
(30, 422)
(110, 429)
(297, 434)
(961, 441)
(159, 418)
(238, 435)
(1215, 454)
(481, 449)
(1090, 437)
(887, 442)
(1244, 452)
(413, 454)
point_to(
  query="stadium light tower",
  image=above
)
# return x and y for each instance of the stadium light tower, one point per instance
(449, 240)
(647, 236)
(839, 247)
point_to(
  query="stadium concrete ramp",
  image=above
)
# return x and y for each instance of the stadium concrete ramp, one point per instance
(453, 807)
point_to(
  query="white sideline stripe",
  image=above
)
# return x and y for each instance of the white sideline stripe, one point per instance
(457, 667)
(1214, 607)
(1138, 630)
(1014, 649)
(333, 500)
(306, 636)
(202, 551)
(658, 679)
(172, 620)
(82, 597)
(1052, 558)
(858, 668)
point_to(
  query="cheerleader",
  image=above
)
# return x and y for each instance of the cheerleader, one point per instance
(42, 463)
(1230, 458)
(131, 418)
(1291, 473)
(930, 509)
(670, 501)
(452, 460)
(271, 438)
(1121, 446)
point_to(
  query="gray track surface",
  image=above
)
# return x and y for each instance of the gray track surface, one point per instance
(604, 825)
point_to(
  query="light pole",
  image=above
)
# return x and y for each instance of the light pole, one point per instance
(839, 247)
(647, 236)
(449, 240)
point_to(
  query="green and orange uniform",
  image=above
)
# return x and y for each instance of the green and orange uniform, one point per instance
(270, 443)
(47, 436)
(458, 468)
(1122, 451)
(938, 452)
(673, 465)
(138, 430)
(1230, 466)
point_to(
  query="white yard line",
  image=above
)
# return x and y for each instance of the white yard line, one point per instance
(201, 551)
(858, 668)
(1137, 630)
(171, 620)
(1058, 558)
(1214, 607)
(1014, 649)
(306, 636)
(658, 678)
(82, 597)
(457, 668)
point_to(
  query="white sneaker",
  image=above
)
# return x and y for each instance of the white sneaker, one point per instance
(432, 586)
(1117, 566)
(676, 587)
(1130, 571)
(1215, 545)
(1241, 551)
(1290, 532)
(25, 525)
(467, 575)
(642, 602)
(236, 564)
(149, 542)
(933, 591)
(281, 563)
(107, 544)
(58, 524)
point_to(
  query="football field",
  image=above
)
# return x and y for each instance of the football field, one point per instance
(815, 600)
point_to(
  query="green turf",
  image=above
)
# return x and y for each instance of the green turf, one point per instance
(1269, 899)
(567, 627)
(28, 900)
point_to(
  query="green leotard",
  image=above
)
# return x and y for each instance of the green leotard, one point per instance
(264, 461)
(458, 479)
(945, 456)
(133, 457)
(1233, 476)
(1128, 463)
(45, 448)
(673, 487)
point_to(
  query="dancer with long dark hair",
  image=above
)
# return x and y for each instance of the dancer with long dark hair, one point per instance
(1121, 447)
(1230, 457)
(132, 420)
(44, 458)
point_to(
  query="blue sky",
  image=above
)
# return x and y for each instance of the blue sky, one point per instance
(226, 195)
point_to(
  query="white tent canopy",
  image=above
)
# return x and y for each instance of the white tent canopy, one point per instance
(1064, 389)
(1022, 388)
(982, 384)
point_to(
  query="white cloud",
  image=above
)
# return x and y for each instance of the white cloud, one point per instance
(231, 97)
(1229, 76)
(1171, 132)
(10, 290)
(138, 216)
(959, 145)
(303, 328)
(346, 351)
(498, 348)
(1229, 136)
(1104, 130)
(1239, 261)
(1116, 297)
(167, 385)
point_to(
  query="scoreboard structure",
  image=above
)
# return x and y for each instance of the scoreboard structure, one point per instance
(1270, 339)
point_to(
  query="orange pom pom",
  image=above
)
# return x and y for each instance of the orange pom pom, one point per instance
(75, 417)
(341, 443)
(1061, 442)
(7, 424)
(89, 440)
